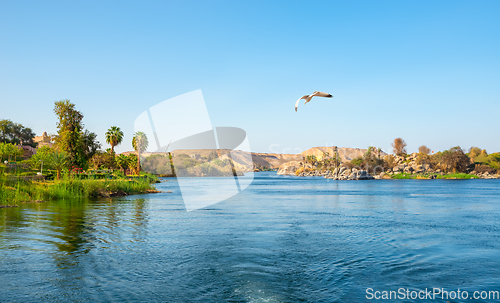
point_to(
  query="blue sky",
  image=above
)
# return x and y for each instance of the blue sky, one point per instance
(426, 71)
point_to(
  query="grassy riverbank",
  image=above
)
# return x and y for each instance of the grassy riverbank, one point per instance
(461, 176)
(17, 191)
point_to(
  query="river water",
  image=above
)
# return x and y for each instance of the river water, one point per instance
(283, 239)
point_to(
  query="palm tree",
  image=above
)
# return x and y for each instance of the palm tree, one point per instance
(122, 162)
(140, 143)
(114, 137)
(131, 162)
(58, 161)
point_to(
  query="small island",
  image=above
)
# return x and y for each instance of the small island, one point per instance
(372, 163)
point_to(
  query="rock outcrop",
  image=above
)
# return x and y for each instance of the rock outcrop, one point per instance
(289, 168)
(408, 165)
(307, 170)
(345, 173)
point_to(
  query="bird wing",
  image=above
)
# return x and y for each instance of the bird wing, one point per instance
(297, 103)
(308, 99)
(321, 94)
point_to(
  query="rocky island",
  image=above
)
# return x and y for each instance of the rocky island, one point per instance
(371, 164)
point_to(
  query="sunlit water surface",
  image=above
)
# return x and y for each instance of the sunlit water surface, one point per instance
(284, 239)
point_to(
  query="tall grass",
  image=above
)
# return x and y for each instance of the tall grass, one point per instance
(14, 191)
(425, 176)
(403, 176)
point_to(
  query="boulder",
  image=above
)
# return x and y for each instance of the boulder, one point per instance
(408, 169)
(289, 168)
(360, 175)
(418, 169)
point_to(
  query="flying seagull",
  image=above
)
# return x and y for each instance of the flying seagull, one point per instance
(309, 97)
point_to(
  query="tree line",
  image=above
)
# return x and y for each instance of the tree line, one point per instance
(453, 160)
(74, 148)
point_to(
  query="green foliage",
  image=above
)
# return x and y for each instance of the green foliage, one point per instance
(124, 162)
(103, 160)
(265, 168)
(368, 152)
(50, 157)
(182, 165)
(9, 150)
(209, 170)
(42, 154)
(140, 142)
(212, 156)
(311, 159)
(58, 161)
(90, 146)
(15, 133)
(150, 177)
(183, 162)
(132, 162)
(157, 164)
(359, 161)
(403, 176)
(474, 152)
(389, 161)
(114, 137)
(70, 129)
(118, 174)
(452, 160)
(370, 161)
(12, 192)
(494, 161)
(423, 158)
(481, 157)
(79, 144)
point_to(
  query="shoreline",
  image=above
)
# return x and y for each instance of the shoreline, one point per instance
(32, 192)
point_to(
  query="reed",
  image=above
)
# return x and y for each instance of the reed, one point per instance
(15, 191)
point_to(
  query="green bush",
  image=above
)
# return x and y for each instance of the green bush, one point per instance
(403, 176)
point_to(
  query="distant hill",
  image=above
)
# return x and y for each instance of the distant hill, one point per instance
(268, 160)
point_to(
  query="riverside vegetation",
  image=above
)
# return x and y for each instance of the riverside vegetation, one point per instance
(454, 163)
(16, 190)
(73, 165)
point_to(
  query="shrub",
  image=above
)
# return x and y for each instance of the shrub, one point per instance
(452, 160)
(348, 165)
(399, 146)
(481, 168)
(389, 161)
(423, 159)
(357, 162)
(424, 150)
(299, 171)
